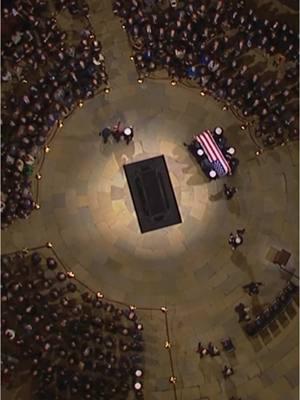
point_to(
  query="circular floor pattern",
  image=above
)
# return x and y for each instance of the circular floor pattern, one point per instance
(87, 212)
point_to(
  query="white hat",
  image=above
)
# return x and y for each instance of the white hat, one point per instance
(127, 131)
(138, 385)
(138, 373)
(10, 333)
(200, 152)
(218, 130)
(212, 173)
(231, 150)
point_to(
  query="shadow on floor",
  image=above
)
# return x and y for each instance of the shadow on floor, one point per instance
(196, 180)
(216, 197)
(240, 260)
(234, 207)
(230, 388)
(256, 305)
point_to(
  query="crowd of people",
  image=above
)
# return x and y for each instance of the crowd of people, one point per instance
(207, 42)
(72, 343)
(75, 7)
(213, 351)
(44, 77)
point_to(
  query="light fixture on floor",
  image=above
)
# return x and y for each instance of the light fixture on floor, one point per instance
(37, 206)
(107, 90)
(172, 379)
(99, 295)
(224, 108)
(49, 245)
(140, 80)
(132, 308)
(173, 82)
(167, 345)
(163, 309)
(131, 58)
(123, 26)
(258, 152)
(70, 274)
(80, 103)
(243, 127)
(61, 124)
(38, 176)
(47, 149)
(202, 93)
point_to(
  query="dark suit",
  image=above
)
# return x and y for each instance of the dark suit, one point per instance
(105, 133)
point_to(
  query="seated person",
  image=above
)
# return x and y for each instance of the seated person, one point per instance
(291, 287)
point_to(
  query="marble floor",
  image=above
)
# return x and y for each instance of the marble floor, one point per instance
(87, 213)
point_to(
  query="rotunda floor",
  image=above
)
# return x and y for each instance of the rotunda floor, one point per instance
(87, 213)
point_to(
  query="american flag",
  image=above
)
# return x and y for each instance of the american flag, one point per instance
(213, 153)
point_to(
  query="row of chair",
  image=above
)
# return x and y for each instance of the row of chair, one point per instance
(270, 313)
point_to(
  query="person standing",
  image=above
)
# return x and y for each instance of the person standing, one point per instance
(212, 350)
(231, 241)
(128, 134)
(201, 350)
(105, 133)
(117, 132)
(237, 239)
(243, 312)
(227, 371)
(252, 288)
(229, 191)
